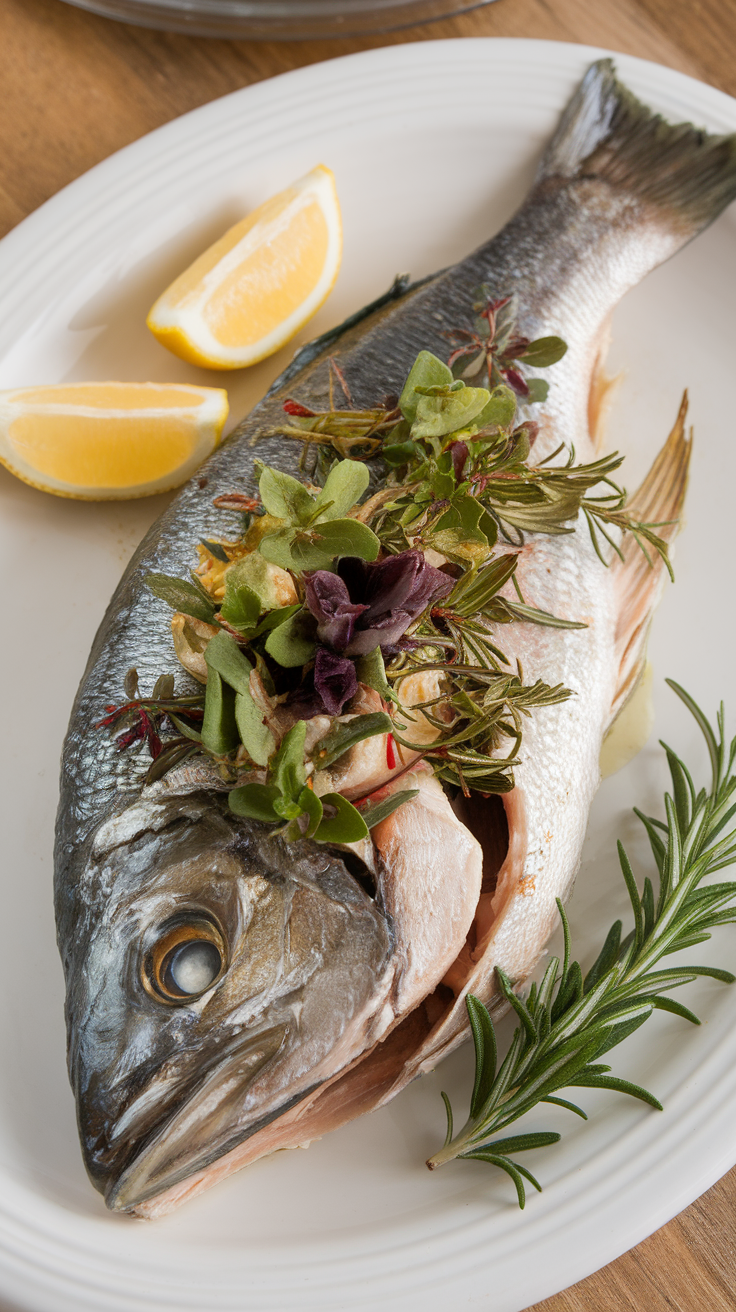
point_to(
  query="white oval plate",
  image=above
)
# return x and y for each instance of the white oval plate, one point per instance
(433, 145)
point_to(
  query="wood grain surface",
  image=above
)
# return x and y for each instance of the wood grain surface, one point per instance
(76, 87)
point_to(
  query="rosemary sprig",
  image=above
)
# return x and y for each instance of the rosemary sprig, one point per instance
(483, 710)
(568, 1022)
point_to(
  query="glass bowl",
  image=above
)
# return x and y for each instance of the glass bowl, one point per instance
(277, 20)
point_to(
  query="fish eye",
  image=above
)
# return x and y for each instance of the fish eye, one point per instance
(187, 958)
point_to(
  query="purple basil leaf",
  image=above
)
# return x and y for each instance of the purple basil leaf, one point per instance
(305, 701)
(395, 591)
(329, 601)
(385, 631)
(335, 680)
(459, 453)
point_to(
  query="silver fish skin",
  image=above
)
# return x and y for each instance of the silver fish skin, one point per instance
(170, 1098)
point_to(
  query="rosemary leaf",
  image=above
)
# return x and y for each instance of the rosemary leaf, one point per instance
(567, 1024)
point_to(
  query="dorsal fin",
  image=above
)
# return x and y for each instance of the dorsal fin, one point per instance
(659, 500)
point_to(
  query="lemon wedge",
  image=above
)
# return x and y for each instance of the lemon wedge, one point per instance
(109, 441)
(255, 288)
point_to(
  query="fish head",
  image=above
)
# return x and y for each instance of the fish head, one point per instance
(215, 975)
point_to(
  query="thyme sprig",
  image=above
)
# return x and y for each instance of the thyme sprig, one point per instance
(569, 1021)
(517, 497)
(487, 707)
(355, 434)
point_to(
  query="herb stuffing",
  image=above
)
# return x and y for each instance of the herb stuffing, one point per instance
(341, 612)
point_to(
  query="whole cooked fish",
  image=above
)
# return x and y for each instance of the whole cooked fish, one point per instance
(317, 982)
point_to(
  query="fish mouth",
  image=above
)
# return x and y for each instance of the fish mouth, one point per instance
(205, 1127)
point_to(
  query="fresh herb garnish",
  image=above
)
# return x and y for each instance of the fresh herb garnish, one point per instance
(329, 589)
(288, 797)
(189, 598)
(311, 531)
(569, 1021)
(495, 348)
(143, 719)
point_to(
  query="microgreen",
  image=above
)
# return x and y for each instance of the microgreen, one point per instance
(495, 349)
(570, 1020)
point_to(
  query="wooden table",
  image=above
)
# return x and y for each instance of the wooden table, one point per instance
(78, 87)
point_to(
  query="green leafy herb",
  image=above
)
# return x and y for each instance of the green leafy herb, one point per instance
(543, 352)
(216, 549)
(346, 537)
(344, 486)
(225, 657)
(346, 735)
(399, 453)
(449, 410)
(255, 736)
(371, 670)
(292, 643)
(314, 529)
(378, 811)
(182, 596)
(569, 1021)
(219, 730)
(257, 575)
(317, 547)
(130, 684)
(241, 607)
(174, 753)
(255, 802)
(465, 533)
(285, 497)
(342, 823)
(500, 410)
(287, 797)
(426, 371)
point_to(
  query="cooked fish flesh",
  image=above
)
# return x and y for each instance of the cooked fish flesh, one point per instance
(325, 979)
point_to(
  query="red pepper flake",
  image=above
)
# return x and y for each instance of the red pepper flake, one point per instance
(390, 752)
(296, 408)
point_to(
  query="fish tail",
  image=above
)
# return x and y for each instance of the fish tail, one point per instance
(638, 579)
(606, 133)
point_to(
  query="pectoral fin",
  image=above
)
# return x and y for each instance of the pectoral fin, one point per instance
(639, 577)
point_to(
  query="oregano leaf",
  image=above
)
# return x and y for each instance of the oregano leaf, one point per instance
(344, 486)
